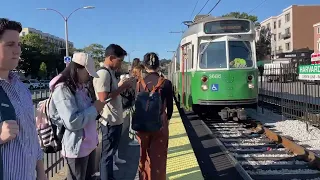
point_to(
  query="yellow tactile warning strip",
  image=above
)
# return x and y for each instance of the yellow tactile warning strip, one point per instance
(181, 163)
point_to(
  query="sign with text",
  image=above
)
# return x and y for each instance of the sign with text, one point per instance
(309, 72)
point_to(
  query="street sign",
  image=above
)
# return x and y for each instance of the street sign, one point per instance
(309, 72)
(67, 59)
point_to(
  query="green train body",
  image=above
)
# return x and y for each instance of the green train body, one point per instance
(204, 79)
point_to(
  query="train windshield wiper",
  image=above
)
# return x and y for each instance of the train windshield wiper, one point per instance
(205, 47)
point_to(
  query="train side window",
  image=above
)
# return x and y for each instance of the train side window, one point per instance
(189, 59)
(192, 60)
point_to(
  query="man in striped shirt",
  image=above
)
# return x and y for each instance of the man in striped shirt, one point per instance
(19, 146)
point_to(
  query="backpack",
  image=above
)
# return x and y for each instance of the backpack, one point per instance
(7, 112)
(50, 141)
(148, 108)
(127, 98)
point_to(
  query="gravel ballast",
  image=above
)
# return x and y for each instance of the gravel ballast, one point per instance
(295, 129)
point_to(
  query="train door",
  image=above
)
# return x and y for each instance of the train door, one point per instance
(183, 74)
(186, 66)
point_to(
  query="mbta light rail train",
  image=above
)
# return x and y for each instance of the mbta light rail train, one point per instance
(215, 67)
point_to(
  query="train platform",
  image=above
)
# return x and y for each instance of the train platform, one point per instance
(181, 160)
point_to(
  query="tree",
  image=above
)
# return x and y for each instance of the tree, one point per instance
(243, 15)
(96, 51)
(42, 70)
(35, 51)
(263, 45)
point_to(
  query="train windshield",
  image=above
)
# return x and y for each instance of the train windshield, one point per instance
(214, 55)
(240, 54)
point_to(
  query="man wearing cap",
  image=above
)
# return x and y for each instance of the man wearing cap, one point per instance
(112, 116)
(72, 107)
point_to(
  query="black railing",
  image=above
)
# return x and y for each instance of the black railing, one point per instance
(281, 91)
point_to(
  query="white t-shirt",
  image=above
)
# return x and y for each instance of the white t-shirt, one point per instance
(113, 111)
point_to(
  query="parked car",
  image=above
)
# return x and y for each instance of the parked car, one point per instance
(45, 83)
(32, 84)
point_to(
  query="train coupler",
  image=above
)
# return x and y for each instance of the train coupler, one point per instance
(235, 114)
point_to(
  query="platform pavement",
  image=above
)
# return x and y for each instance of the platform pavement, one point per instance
(181, 161)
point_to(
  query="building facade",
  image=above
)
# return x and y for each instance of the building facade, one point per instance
(292, 29)
(59, 43)
(316, 37)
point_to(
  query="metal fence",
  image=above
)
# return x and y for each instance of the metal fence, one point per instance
(281, 91)
(52, 162)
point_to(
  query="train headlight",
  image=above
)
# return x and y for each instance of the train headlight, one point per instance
(204, 87)
(250, 85)
(204, 79)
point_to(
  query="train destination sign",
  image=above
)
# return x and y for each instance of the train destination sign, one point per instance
(227, 26)
(309, 72)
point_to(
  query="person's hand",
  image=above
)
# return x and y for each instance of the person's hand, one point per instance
(99, 105)
(126, 83)
(9, 130)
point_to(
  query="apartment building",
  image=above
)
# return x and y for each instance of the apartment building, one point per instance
(316, 37)
(292, 29)
(59, 43)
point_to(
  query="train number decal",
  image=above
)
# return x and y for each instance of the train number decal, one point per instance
(214, 76)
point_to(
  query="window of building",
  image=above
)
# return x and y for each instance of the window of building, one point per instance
(268, 26)
(279, 36)
(288, 46)
(275, 25)
(318, 46)
(318, 30)
(280, 48)
(279, 24)
(287, 17)
(275, 37)
(287, 30)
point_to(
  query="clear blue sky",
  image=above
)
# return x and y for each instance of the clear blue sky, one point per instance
(141, 25)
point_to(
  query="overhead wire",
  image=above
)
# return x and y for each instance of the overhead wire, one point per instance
(257, 6)
(194, 8)
(214, 6)
(203, 7)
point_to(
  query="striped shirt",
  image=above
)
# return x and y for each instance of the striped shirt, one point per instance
(21, 154)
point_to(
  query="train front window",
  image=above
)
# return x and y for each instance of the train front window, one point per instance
(213, 56)
(240, 54)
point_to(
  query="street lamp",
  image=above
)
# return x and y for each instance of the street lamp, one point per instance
(66, 18)
(130, 54)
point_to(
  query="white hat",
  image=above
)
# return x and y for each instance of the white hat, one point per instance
(85, 60)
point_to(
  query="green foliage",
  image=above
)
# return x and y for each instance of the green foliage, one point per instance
(43, 70)
(243, 15)
(37, 51)
(96, 51)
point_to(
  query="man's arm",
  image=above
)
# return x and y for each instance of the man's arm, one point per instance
(40, 171)
(103, 89)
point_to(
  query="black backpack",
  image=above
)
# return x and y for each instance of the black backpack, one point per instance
(148, 108)
(127, 98)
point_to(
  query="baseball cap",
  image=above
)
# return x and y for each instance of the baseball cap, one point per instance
(85, 60)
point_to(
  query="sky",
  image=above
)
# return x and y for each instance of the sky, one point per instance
(139, 26)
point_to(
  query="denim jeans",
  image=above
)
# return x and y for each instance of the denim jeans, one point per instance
(110, 141)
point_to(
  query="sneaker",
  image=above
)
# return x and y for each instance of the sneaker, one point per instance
(119, 161)
(134, 143)
(115, 167)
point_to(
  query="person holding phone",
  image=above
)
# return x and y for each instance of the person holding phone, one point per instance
(107, 86)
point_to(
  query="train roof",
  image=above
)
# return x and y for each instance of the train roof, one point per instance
(199, 20)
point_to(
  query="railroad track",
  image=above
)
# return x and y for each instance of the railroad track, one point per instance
(260, 155)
